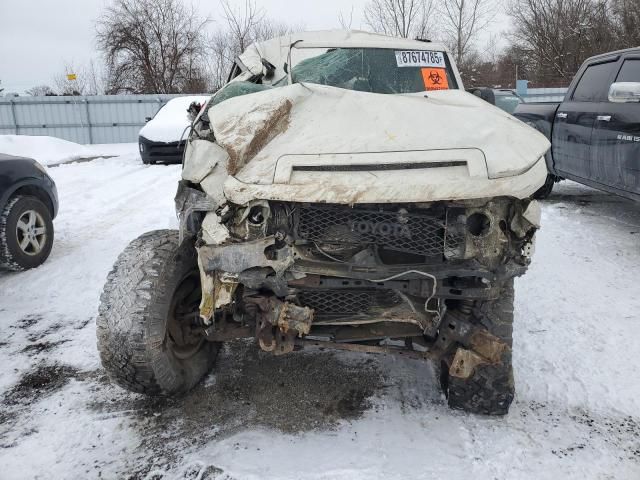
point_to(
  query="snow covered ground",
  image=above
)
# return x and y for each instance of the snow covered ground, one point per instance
(54, 151)
(321, 415)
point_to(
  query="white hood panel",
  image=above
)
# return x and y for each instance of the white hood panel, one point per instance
(286, 140)
(403, 186)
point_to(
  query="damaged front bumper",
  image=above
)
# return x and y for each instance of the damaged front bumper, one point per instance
(346, 275)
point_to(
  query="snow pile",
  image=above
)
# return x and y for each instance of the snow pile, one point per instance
(169, 124)
(47, 150)
(53, 151)
(112, 149)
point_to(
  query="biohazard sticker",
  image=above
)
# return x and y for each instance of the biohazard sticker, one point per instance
(435, 78)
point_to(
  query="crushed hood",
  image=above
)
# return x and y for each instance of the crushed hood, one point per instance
(258, 130)
(315, 143)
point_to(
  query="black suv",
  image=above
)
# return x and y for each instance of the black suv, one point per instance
(595, 131)
(28, 205)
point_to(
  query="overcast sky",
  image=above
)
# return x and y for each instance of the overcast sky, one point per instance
(37, 37)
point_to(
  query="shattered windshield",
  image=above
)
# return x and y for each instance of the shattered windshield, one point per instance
(377, 70)
(236, 89)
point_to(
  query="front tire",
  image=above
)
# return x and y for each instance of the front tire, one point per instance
(489, 390)
(26, 233)
(152, 290)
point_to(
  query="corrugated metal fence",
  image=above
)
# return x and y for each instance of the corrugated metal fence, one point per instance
(115, 118)
(85, 120)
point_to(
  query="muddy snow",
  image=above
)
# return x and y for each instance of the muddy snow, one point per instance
(317, 414)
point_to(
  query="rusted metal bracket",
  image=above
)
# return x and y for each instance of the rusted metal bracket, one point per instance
(478, 346)
(456, 330)
(279, 323)
(238, 257)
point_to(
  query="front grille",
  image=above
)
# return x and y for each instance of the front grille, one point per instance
(170, 150)
(414, 233)
(337, 303)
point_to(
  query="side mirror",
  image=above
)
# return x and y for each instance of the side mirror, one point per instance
(147, 119)
(624, 92)
(485, 94)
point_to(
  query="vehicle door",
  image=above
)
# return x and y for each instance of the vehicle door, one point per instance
(615, 150)
(575, 118)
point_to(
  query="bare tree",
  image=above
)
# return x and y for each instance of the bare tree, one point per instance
(242, 23)
(400, 18)
(222, 52)
(626, 17)
(152, 46)
(238, 32)
(462, 21)
(71, 81)
(489, 67)
(41, 91)
(556, 36)
(96, 78)
(270, 28)
(86, 79)
(345, 23)
(242, 27)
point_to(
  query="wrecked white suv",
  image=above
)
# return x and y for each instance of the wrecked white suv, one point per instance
(342, 191)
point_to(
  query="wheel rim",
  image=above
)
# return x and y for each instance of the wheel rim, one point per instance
(184, 309)
(31, 233)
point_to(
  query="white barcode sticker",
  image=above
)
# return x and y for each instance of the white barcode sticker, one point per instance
(419, 58)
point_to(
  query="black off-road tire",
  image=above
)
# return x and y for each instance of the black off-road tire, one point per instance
(134, 342)
(545, 190)
(12, 256)
(490, 389)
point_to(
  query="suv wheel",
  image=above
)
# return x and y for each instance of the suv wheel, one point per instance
(26, 233)
(489, 390)
(145, 312)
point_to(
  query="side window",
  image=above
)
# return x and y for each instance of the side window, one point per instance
(630, 71)
(594, 83)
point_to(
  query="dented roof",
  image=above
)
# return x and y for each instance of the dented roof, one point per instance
(276, 50)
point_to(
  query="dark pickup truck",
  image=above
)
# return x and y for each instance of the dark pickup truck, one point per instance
(595, 131)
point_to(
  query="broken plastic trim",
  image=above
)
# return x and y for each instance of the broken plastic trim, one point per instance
(238, 257)
(188, 201)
